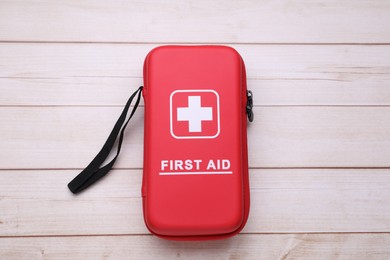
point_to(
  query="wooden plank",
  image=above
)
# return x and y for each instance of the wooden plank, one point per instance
(96, 74)
(106, 91)
(58, 137)
(196, 21)
(282, 201)
(69, 137)
(281, 246)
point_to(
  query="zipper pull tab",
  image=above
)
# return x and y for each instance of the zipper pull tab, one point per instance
(249, 105)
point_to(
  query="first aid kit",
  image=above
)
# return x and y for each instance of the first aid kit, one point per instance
(195, 170)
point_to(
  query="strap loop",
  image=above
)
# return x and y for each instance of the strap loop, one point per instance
(92, 172)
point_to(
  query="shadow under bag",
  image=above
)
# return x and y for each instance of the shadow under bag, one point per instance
(195, 177)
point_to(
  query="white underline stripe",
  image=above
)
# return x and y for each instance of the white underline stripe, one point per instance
(185, 173)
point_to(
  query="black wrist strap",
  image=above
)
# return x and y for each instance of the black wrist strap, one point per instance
(92, 172)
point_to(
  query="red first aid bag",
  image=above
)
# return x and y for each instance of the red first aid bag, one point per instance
(195, 181)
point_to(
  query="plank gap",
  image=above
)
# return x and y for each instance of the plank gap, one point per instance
(242, 233)
(197, 43)
(250, 168)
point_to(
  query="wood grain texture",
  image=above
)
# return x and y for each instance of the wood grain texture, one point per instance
(283, 246)
(196, 21)
(319, 147)
(106, 74)
(69, 137)
(282, 201)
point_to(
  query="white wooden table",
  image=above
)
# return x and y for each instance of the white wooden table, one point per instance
(319, 147)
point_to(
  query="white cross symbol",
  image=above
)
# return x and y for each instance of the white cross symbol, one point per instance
(194, 114)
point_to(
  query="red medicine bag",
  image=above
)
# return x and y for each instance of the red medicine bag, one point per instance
(195, 178)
